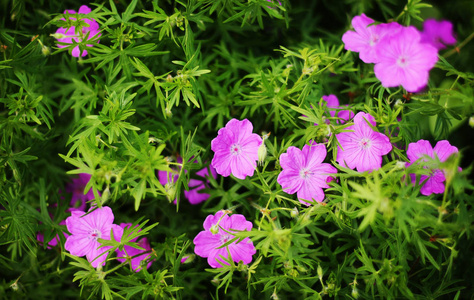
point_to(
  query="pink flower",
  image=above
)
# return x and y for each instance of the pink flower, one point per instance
(214, 236)
(236, 149)
(133, 254)
(366, 38)
(76, 188)
(66, 35)
(404, 60)
(422, 151)
(362, 148)
(85, 231)
(273, 2)
(304, 172)
(194, 195)
(54, 242)
(438, 34)
(332, 102)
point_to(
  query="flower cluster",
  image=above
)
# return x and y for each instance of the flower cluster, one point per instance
(89, 31)
(217, 232)
(402, 55)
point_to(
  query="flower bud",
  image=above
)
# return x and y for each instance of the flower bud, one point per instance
(355, 293)
(170, 189)
(471, 121)
(188, 259)
(294, 212)
(262, 154)
(398, 104)
(58, 35)
(168, 112)
(400, 165)
(214, 229)
(320, 273)
(105, 195)
(45, 50)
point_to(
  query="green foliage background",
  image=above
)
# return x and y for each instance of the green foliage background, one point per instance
(164, 78)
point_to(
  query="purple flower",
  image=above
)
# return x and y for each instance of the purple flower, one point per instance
(362, 148)
(236, 149)
(404, 60)
(133, 254)
(214, 236)
(438, 34)
(304, 172)
(194, 195)
(66, 35)
(85, 231)
(422, 151)
(332, 102)
(273, 2)
(167, 179)
(54, 242)
(76, 188)
(365, 38)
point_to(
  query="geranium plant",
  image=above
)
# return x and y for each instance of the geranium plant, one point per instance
(230, 149)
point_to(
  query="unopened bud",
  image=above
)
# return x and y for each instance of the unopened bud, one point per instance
(355, 293)
(188, 259)
(170, 190)
(58, 35)
(45, 50)
(214, 229)
(262, 154)
(398, 104)
(471, 121)
(105, 195)
(400, 165)
(168, 112)
(294, 212)
(320, 273)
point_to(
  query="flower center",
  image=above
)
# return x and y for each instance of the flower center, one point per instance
(94, 234)
(373, 39)
(225, 238)
(402, 61)
(235, 149)
(364, 143)
(305, 173)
